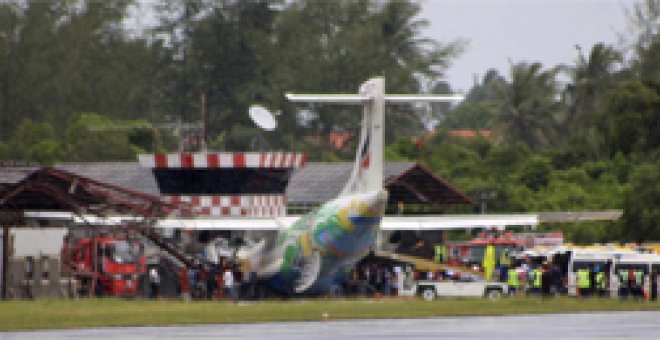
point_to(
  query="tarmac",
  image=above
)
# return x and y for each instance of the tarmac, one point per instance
(614, 325)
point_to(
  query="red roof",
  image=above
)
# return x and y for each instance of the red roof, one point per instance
(470, 133)
(338, 138)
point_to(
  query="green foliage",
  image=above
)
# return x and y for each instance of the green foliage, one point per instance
(468, 115)
(507, 158)
(85, 144)
(4, 151)
(641, 218)
(526, 109)
(40, 314)
(631, 120)
(536, 172)
(34, 142)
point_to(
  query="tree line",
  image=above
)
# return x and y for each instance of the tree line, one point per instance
(78, 82)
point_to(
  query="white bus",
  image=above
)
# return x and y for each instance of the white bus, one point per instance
(611, 261)
(589, 259)
(648, 263)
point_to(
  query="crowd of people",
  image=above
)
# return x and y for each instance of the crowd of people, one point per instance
(547, 279)
(226, 280)
(231, 280)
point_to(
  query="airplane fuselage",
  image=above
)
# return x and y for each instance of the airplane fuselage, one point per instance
(325, 244)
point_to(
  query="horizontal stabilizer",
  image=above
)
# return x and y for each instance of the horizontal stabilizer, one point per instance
(357, 99)
(346, 99)
(404, 98)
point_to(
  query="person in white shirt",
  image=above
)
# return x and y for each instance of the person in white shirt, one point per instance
(230, 289)
(154, 281)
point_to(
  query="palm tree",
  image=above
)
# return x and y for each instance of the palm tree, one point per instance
(526, 108)
(591, 78)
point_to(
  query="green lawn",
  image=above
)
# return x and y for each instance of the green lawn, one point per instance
(58, 314)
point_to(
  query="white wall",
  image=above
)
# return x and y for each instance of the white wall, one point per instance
(38, 241)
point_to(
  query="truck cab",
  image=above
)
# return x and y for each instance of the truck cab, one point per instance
(115, 265)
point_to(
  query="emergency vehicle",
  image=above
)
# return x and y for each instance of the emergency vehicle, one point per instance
(107, 264)
(611, 261)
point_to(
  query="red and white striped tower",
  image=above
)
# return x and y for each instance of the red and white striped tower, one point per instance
(217, 205)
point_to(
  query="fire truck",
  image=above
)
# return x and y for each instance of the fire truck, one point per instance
(472, 251)
(107, 266)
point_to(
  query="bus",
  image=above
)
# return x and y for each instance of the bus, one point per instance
(611, 261)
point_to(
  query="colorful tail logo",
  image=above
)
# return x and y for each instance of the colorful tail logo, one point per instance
(364, 154)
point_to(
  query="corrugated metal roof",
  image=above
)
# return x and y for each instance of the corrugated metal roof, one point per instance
(49, 188)
(319, 182)
(11, 174)
(126, 174)
(313, 184)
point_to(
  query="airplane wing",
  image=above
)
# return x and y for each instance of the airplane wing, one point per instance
(451, 222)
(439, 222)
(228, 223)
(434, 222)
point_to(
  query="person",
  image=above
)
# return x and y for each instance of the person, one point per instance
(154, 282)
(535, 278)
(505, 263)
(228, 278)
(211, 281)
(638, 277)
(438, 253)
(192, 280)
(387, 277)
(583, 282)
(512, 281)
(601, 283)
(623, 283)
(556, 279)
(654, 284)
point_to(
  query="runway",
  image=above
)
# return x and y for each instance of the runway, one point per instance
(637, 325)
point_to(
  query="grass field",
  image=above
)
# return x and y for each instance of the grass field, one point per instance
(60, 314)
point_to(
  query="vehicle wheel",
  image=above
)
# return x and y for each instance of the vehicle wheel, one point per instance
(494, 294)
(428, 294)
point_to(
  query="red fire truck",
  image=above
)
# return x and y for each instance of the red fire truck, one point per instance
(472, 252)
(107, 266)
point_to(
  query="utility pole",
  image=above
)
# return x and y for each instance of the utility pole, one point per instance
(202, 113)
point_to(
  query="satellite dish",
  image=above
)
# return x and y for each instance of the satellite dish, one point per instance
(262, 117)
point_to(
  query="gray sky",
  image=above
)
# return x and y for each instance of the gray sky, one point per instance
(504, 31)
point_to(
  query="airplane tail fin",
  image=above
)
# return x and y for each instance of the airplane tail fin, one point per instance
(367, 174)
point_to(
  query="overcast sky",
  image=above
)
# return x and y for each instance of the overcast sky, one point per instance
(504, 31)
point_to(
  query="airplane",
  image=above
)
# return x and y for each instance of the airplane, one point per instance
(324, 245)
